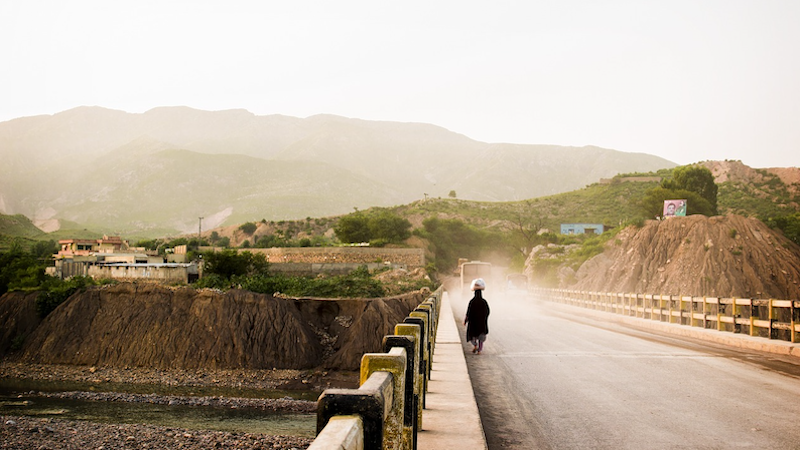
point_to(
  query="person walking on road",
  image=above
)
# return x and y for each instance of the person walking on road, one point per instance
(477, 319)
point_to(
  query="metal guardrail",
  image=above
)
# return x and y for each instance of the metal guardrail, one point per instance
(385, 412)
(768, 318)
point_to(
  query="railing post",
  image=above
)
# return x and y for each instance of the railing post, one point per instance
(395, 363)
(421, 320)
(670, 309)
(426, 315)
(409, 406)
(368, 401)
(772, 320)
(415, 331)
(341, 432)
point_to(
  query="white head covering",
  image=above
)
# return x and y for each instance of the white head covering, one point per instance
(478, 284)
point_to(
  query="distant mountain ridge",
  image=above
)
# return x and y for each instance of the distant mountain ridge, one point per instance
(158, 172)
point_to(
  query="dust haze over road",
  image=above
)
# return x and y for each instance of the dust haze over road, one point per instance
(550, 380)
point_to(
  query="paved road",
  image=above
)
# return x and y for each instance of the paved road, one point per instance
(549, 380)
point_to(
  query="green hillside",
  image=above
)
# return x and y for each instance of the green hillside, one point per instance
(764, 197)
(608, 203)
(19, 226)
(18, 230)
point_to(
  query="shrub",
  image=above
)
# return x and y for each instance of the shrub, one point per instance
(57, 291)
(382, 225)
(248, 228)
(229, 263)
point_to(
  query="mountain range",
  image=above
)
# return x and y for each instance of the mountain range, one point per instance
(158, 172)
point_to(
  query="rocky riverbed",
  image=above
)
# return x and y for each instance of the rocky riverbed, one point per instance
(54, 434)
(275, 379)
(17, 432)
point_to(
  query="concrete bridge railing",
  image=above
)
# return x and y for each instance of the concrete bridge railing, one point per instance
(385, 412)
(768, 318)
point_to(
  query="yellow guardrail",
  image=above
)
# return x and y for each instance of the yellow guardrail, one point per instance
(768, 318)
(385, 412)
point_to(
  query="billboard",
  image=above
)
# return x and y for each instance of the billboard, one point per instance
(674, 208)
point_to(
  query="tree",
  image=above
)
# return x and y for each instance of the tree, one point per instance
(527, 225)
(19, 269)
(452, 194)
(789, 225)
(452, 239)
(248, 228)
(270, 240)
(353, 228)
(228, 263)
(383, 226)
(44, 249)
(652, 205)
(389, 227)
(695, 179)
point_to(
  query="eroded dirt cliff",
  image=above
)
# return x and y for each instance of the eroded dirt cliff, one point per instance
(144, 325)
(723, 256)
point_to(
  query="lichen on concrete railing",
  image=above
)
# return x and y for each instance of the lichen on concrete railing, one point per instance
(385, 412)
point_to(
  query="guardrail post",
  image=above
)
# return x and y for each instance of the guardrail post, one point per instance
(368, 401)
(772, 320)
(341, 432)
(414, 330)
(393, 362)
(793, 310)
(409, 406)
(433, 315)
(421, 320)
(425, 316)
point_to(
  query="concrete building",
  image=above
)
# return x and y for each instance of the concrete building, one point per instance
(582, 228)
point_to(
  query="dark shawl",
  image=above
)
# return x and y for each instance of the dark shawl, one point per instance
(477, 316)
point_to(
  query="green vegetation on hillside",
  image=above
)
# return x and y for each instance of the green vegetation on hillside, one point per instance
(765, 198)
(507, 232)
(377, 227)
(18, 226)
(694, 179)
(789, 225)
(245, 270)
(22, 270)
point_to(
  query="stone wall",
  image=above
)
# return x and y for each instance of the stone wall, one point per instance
(411, 258)
(164, 273)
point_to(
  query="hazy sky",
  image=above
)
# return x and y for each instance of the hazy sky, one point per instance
(686, 80)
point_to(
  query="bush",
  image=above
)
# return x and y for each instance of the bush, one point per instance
(358, 283)
(353, 228)
(789, 225)
(229, 263)
(20, 270)
(383, 226)
(57, 291)
(248, 228)
(452, 239)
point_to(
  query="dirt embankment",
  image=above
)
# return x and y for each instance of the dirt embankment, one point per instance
(723, 256)
(144, 325)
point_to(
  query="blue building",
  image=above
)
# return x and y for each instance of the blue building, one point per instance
(582, 228)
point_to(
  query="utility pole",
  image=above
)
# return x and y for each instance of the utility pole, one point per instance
(199, 231)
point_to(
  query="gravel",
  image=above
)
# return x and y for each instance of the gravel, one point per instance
(17, 432)
(55, 434)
